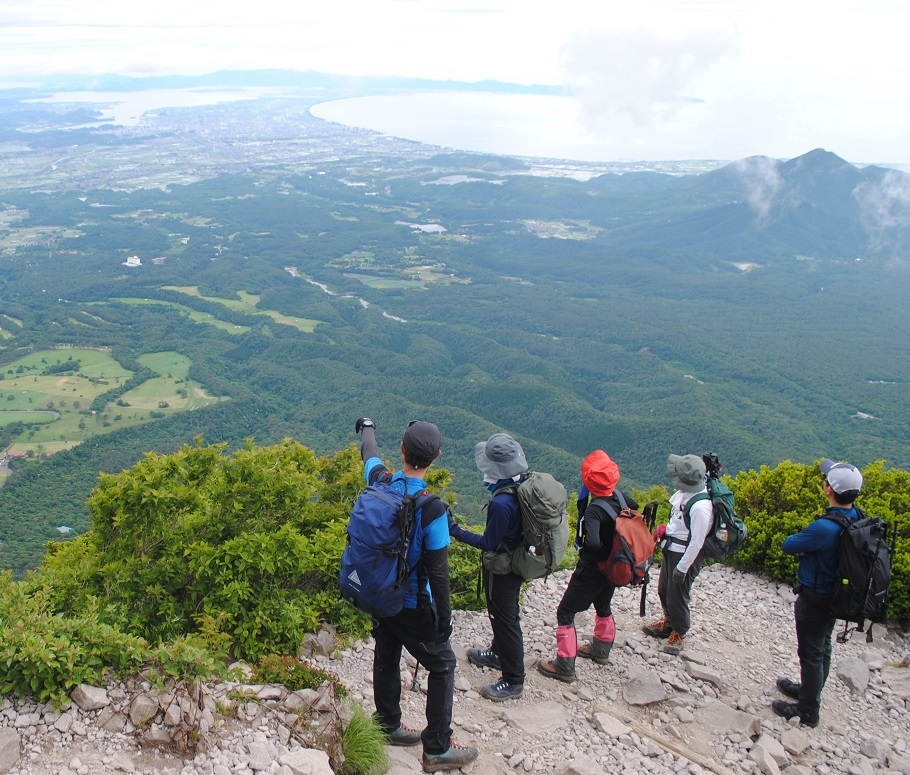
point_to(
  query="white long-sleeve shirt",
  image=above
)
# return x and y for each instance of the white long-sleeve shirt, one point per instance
(701, 520)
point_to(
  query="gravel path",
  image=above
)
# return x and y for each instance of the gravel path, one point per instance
(710, 710)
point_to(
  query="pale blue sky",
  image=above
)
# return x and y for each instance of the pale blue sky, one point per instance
(792, 75)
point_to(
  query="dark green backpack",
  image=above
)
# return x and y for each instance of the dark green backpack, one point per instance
(544, 528)
(728, 533)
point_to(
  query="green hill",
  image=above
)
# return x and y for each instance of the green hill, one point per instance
(641, 313)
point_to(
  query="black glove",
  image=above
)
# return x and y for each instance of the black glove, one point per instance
(445, 630)
(678, 576)
(363, 422)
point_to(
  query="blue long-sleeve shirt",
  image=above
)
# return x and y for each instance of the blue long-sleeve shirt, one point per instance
(819, 544)
(503, 525)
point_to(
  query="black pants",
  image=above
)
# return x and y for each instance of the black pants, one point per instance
(814, 625)
(587, 585)
(415, 630)
(674, 598)
(505, 618)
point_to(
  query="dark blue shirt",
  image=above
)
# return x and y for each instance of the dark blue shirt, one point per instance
(503, 523)
(819, 545)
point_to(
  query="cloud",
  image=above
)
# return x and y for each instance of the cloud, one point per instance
(761, 180)
(885, 207)
(639, 74)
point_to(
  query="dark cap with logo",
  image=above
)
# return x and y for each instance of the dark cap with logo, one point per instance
(422, 440)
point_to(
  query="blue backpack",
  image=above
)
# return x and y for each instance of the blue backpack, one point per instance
(374, 567)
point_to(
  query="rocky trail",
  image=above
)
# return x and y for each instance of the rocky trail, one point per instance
(704, 711)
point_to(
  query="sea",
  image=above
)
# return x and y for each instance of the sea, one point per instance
(541, 126)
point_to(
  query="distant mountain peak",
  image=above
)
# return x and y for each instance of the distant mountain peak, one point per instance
(818, 160)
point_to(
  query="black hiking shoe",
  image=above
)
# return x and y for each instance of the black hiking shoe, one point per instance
(502, 690)
(403, 736)
(484, 658)
(791, 710)
(456, 757)
(788, 687)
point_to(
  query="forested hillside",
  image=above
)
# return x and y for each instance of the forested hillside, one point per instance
(758, 310)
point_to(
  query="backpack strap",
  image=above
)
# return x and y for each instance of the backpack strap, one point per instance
(687, 520)
(605, 504)
(512, 488)
(836, 516)
(431, 508)
(844, 522)
(841, 519)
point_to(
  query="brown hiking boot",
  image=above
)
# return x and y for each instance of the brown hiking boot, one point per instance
(596, 650)
(674, 644)
(659, 628)
(561, 668)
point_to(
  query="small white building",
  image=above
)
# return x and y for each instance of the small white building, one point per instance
(132, 261)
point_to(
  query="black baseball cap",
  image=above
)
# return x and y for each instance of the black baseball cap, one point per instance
(422, 440)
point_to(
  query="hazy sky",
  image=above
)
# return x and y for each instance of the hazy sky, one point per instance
(744, 76)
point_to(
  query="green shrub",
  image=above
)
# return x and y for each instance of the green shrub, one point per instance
(295, 674)
(45, 654)
(248, 540)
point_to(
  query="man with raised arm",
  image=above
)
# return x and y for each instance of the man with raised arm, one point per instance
(424, 625)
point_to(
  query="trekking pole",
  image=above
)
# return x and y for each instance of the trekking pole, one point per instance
(650, 518)
(415, 685)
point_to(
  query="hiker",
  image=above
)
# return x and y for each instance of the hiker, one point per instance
(682, 549)
(588, 585)
(502, 462)
(424, 625)
(818, 544)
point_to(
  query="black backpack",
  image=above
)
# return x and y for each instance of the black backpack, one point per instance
(860, 590)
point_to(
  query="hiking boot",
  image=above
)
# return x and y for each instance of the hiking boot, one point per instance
(457, 756)
(596, 650)
(403, 736)
(561, 668)
(659, 628)
(674, 644)
(484, 658)
(788, 687)
(791, 710)
(502, 690)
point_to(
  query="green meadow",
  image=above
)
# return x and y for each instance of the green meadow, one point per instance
(55, 407)
(195, 315)
(248, 304)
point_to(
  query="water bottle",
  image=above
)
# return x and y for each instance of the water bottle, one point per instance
(722, 535)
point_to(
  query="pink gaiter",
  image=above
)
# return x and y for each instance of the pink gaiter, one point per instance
(604, 628)
(566, 642)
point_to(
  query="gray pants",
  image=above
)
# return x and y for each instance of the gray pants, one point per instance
(674, 598)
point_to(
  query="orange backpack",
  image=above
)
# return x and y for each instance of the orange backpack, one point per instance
(632, 553)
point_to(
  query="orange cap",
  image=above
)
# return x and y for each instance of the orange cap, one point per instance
(599, 474)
